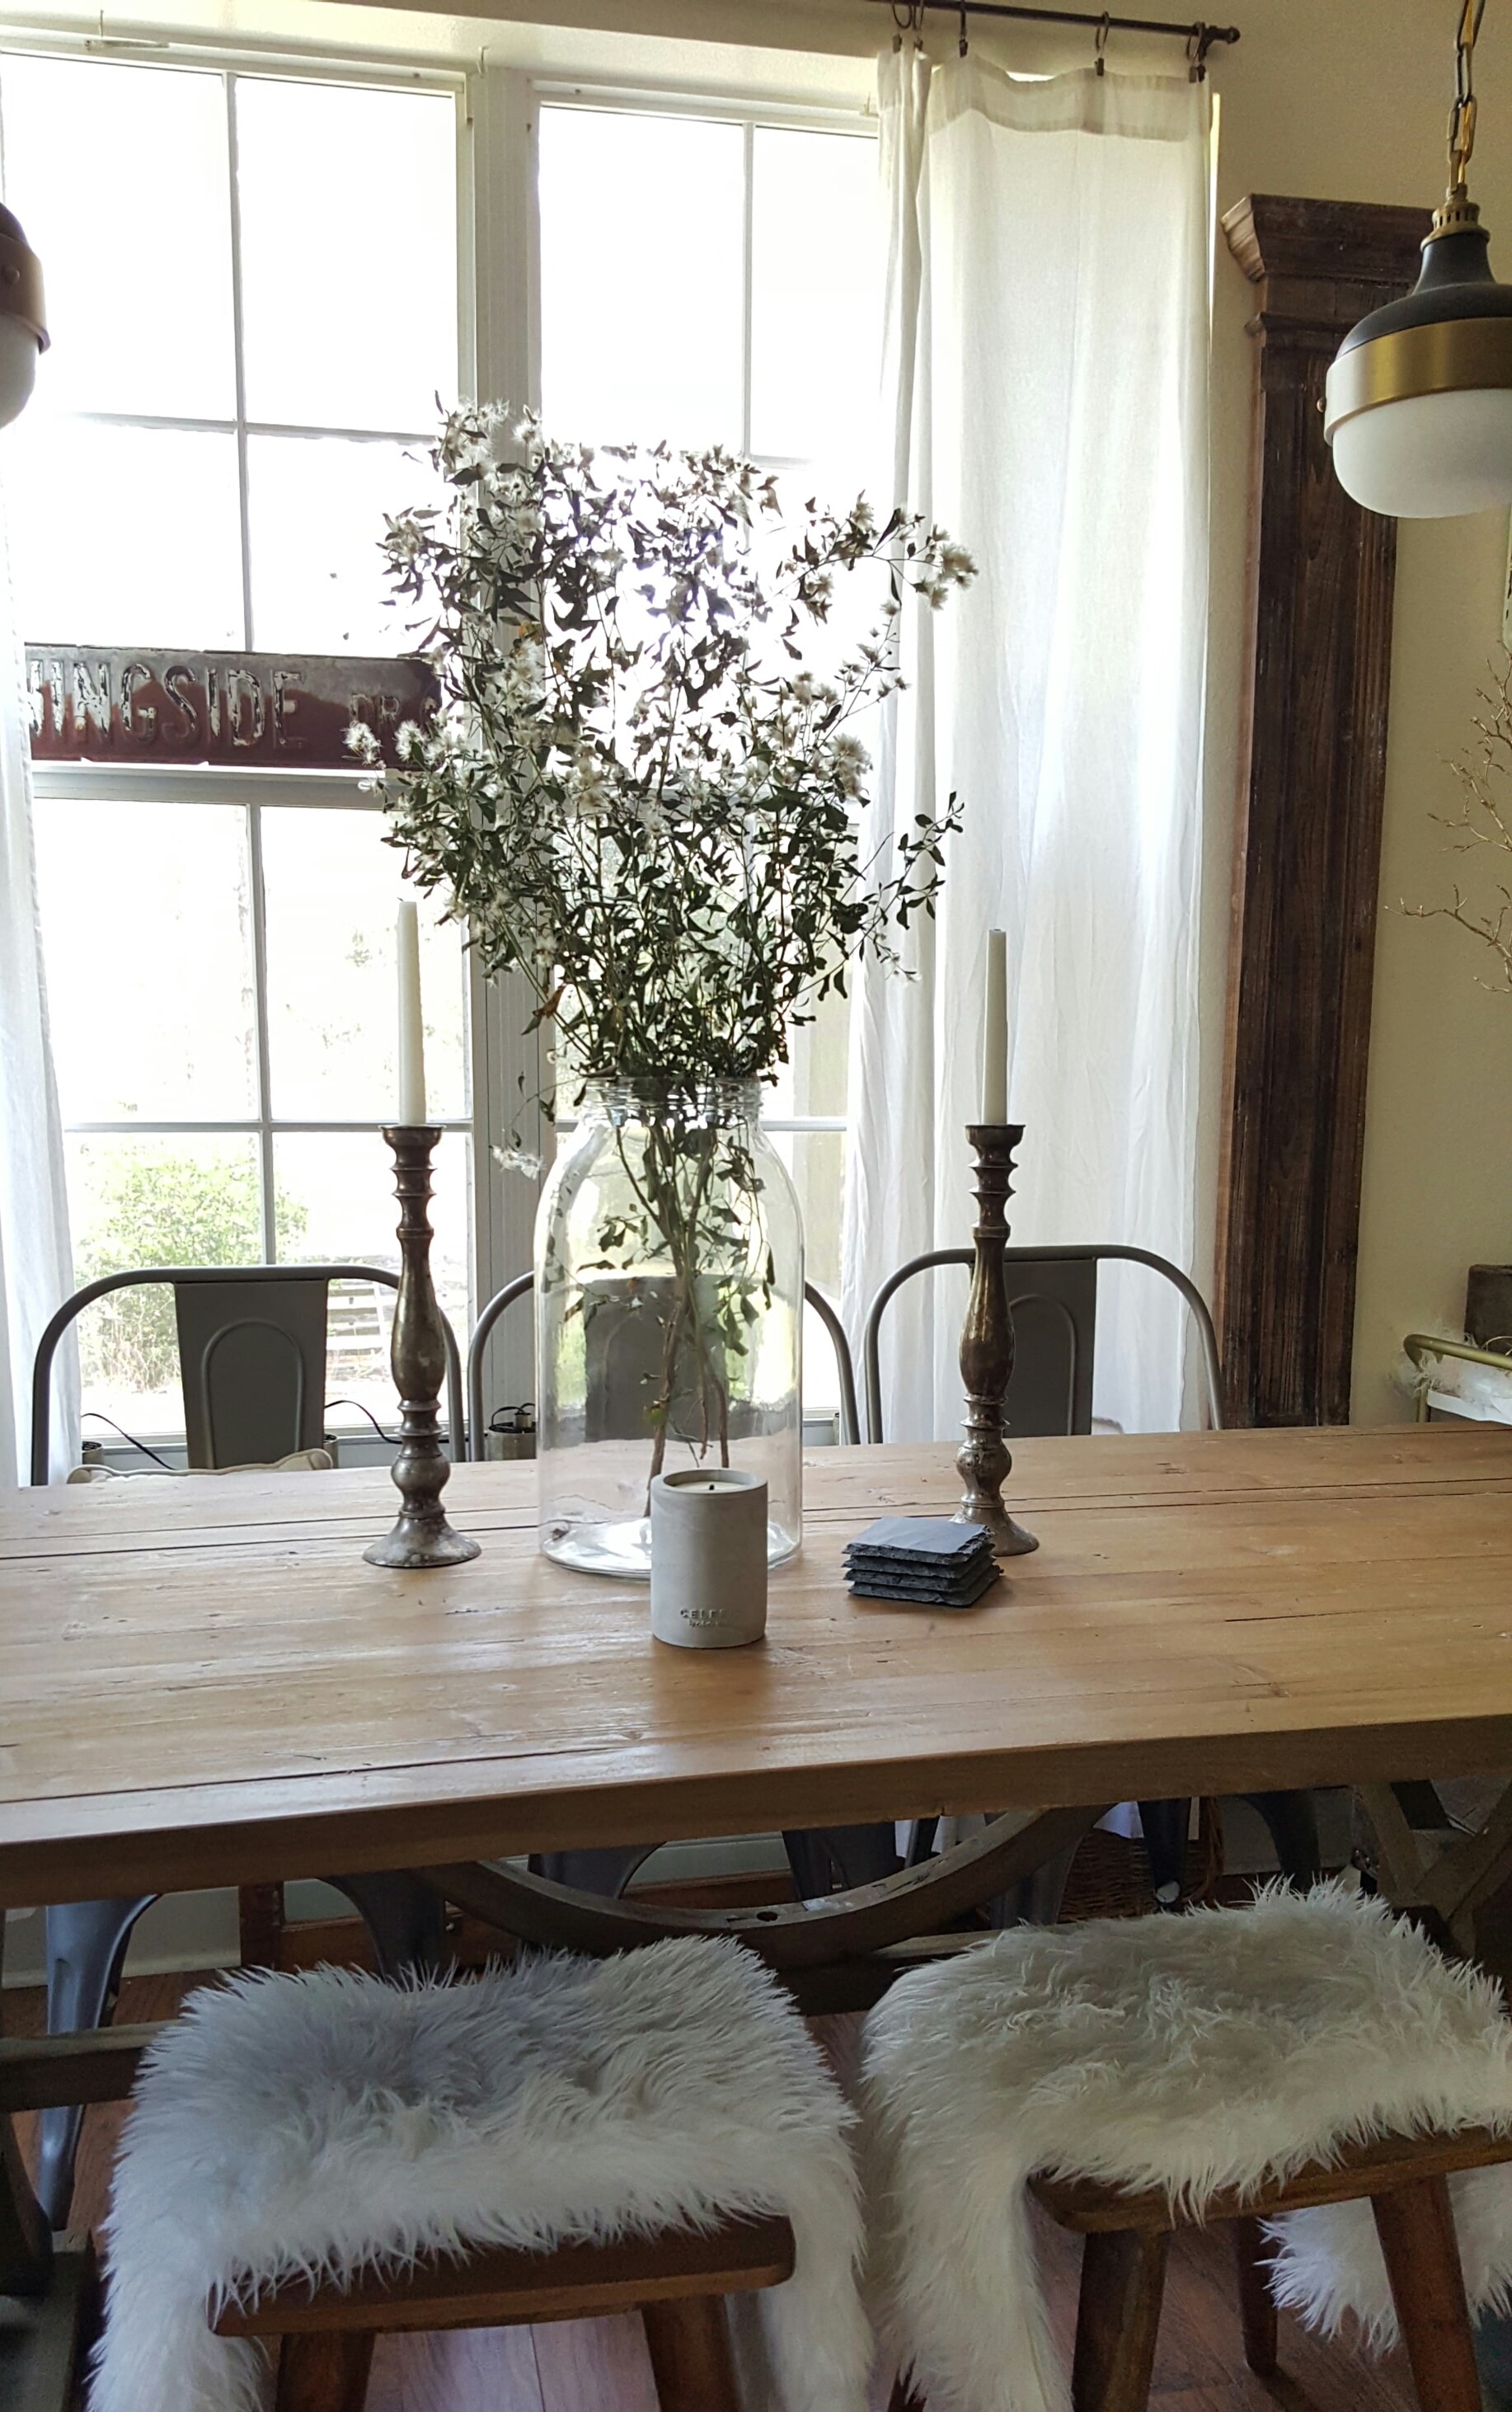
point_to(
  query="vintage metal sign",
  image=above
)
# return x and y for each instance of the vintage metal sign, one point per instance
(89, 704)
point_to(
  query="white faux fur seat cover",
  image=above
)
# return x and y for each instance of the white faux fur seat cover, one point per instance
(1195, 2054)
(329, 2122)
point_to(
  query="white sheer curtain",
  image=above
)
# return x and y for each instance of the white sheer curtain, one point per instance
(35, 1264)
(1045, 366)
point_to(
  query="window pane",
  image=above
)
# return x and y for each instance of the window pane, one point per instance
(348, 202)
(119, 176)
(816, 1160)
(642, 242)
(813, 302)
(333, 888)
(125, 535)
(316, 509)
(147, 918)
(813, 1080)
(167, 1201)
(335, 1205)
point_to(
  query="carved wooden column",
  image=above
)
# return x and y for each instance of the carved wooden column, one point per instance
(1308, 849)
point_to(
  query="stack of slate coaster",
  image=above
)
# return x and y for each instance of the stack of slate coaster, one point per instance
(924, 1561)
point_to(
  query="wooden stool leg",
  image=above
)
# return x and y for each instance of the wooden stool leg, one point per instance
(690, 2354)
(1257, 2305)
(325, 2370)
(1122, 2280)
(1415, 2226)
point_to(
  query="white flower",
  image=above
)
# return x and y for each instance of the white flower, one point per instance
(362, 740)
(405, 539)
(852, 762)
(519, 1159)
(590, 794)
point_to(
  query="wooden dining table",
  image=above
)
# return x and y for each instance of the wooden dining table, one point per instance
(202, 1682)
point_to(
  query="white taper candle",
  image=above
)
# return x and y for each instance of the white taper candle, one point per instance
(411, 1029)
(995, 1030)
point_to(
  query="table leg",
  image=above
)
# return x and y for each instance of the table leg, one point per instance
(1464, 1891)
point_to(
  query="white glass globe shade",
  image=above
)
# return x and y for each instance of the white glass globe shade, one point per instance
(18, 367)
(1431, 456)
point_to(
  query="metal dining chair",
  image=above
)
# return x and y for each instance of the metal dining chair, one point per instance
(610, 1870)
(252, 1357)
(1053, 1294)
(521, 1285)
(251, 1364)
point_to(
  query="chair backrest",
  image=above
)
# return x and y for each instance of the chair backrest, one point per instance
(1053, 1294)
(252, 1357)
(522, 1284)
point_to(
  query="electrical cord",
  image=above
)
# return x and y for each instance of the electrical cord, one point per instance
(95, 1414)
(391, 1440)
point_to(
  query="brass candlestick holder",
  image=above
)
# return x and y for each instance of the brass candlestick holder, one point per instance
(987, 1345)
(422, 1535)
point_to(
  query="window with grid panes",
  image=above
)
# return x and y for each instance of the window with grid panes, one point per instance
(243, 382)
(709, 279)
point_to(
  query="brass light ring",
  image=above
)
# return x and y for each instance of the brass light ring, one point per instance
(21, 287)
(1447, 356)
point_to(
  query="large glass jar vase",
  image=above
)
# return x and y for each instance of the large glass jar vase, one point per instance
(669, 1316)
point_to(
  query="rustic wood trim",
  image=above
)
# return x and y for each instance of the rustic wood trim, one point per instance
(1307, 851)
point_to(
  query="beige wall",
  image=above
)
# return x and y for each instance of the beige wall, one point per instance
(1348, 102)
(1332, 98)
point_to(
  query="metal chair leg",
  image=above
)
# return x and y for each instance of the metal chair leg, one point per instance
(857, 1855)
(406, 1919)
(1164, 1824)
(607, 1872)
(1291, 1821)
(86, 1943)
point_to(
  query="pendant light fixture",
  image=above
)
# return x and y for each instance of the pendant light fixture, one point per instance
(24, 335)
(1419, 405)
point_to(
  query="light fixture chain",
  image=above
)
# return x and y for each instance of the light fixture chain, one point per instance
(1462, 114)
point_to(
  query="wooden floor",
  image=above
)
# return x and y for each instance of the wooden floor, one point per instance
(601, 2366)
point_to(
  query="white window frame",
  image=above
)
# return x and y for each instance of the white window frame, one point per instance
(498, 320)
(252, 790)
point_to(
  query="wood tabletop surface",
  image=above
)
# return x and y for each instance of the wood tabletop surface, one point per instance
(202, 1682)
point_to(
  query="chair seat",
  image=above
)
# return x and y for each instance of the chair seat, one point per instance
(324, 2155)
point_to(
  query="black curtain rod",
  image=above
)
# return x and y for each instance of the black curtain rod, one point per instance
(1199, 37)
